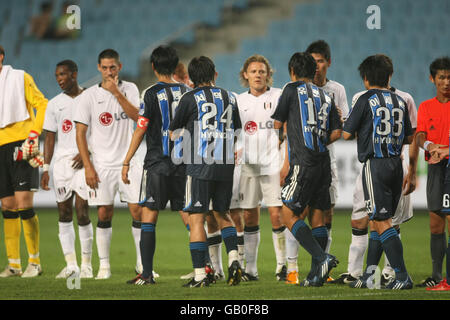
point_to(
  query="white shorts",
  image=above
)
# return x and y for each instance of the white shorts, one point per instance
(404, 210)
(67, 180)
(334, 175)
(111, 183)
(253, 189)
(235, 201)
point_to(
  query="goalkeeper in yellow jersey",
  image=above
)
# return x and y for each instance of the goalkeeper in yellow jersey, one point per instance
(20, 160)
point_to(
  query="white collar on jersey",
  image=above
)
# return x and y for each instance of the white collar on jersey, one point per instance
(120, 82)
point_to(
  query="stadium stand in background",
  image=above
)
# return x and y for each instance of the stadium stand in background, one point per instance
(413, 33)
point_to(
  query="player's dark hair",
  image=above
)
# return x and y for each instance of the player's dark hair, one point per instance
(320, 47)
(164, 59)
(109, 54)
(46, 6)
(71, 65)
(201, 70)
(2, 51)
(442, 63)
(376, 69)
(303, 65)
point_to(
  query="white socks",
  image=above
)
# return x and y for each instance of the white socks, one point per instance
(86, 234)
(252, 238)
(241, 250)
(279, 244)
(215, 251)
(103, 239)
(232, 256)
(137, 238)
(292, 247)
(200, 274)
(67, 238)
(356, 253)
(330, 239)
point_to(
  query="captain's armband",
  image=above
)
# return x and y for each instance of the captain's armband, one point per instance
(142, 122)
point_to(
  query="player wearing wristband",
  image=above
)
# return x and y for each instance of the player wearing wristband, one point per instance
(162, 179)
(19, 177)
(433, 124)
(69, 183)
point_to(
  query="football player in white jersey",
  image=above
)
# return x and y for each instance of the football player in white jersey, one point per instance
(320, 51)
(68, 171)
(360, 219)
(109, 109)
(260, 166)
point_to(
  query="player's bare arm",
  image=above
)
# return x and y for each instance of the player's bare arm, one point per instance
(136, 140)
(277, 124)
(421, 139)
(339, 111)
(112, 85)
(348, 136)
(409, 183)
(92, 179)
(334, 135)
(285, 168)
(49, 148)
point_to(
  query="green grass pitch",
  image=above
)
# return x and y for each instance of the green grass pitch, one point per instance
(172, 259)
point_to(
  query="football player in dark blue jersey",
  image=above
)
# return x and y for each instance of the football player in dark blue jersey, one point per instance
(209, 117)
(162, 179)
(312, 122)
(380, 120)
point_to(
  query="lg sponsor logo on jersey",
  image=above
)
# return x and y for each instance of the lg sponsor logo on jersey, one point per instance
(251, 127)
(106, 118)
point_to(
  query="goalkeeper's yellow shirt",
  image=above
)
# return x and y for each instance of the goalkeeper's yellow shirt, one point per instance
(34, 100)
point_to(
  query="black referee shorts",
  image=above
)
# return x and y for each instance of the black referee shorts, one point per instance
(158, 189)
(382, 180)
(435, 185)
(446, 193)
(16, 175)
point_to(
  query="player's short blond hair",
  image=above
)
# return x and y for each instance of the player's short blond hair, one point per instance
(256, 58)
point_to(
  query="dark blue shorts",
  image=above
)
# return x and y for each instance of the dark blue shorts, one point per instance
(200, 193)
(307, 186)
(158, 189)
(382, 184)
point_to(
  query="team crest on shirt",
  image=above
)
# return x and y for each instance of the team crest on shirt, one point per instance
(267, 105)
(105, 119)
(250, 127)
(67, 125)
